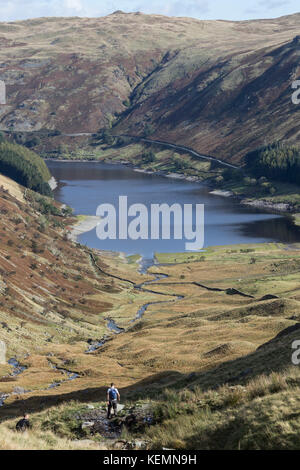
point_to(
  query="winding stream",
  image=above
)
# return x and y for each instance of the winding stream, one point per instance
(145, 264)
(18, 369)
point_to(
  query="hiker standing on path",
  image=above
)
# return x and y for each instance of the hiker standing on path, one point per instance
(113, 397)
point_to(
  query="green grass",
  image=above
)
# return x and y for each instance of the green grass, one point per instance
(285, 193)
(132, 259)
(260, 414)
(297, 219)
(229, 253)
(263, 414)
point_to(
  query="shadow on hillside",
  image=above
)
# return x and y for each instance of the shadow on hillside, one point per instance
(146, 387)
(274, 355)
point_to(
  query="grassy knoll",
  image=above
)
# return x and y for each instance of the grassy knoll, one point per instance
(281, 193)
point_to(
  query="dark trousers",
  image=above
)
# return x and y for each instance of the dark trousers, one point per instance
(112, 404)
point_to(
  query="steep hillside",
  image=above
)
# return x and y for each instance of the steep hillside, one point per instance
(221, 87)
(54, 304)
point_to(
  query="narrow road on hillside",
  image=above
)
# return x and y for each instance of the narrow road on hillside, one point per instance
(189, 150)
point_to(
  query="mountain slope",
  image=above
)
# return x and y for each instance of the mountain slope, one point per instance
(221, 87)
(53, 303)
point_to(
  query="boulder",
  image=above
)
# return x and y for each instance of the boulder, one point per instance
(19, 391)
(139, 444)
(87, 424)
(120, 445)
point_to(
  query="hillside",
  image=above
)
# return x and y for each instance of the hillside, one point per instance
(216, 327)
(221, 87)
(51, 294)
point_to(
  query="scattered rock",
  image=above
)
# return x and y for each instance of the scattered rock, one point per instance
(120, 445)
(135, 419)
(139, 444)
(262, 203)
(3, 397)
(87, 424)
(221, 192)
(19, 390)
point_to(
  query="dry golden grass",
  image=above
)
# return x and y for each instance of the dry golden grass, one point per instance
(14, 188)
(262, 414)
(215, 335)
(196, 334)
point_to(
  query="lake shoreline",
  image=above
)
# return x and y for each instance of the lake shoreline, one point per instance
(266, 206)
(84, 225)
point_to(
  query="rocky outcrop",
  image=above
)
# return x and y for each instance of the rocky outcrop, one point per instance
(269, 205)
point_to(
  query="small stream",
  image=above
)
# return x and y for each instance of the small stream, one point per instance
(145, 264)
(18, 369)
(67, 373)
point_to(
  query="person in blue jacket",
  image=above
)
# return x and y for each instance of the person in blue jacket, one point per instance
(113, 397)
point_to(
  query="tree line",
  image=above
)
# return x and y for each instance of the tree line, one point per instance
(25, 167)
(277, 161)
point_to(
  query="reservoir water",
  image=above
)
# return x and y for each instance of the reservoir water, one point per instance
(85, 185)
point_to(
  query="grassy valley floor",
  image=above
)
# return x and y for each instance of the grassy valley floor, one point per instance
(207, 366)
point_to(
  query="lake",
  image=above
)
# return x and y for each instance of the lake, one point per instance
(85, 185)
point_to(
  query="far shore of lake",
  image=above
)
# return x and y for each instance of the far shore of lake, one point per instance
(260, 203)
